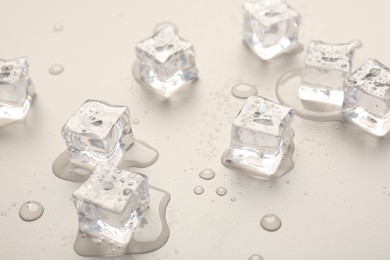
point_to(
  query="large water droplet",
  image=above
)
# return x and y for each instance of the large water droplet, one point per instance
(270, 222)
(221, 191)
(198, 190)
(31, 210)
(255, 257)
(207, 174)
(56, 69)
(243, 90)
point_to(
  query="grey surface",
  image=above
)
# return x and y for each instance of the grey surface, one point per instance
(336, 203)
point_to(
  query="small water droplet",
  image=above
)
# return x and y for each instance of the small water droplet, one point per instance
(207, 174)
(243, 90)
(221, 191)
(98, 123)
(13, 204)
(255, 257)
(127, 192)
(198, 190)
(233, 199)
(58, 27)
(3, 213)
(108, 185)
(135, 121)
(31, 210)
(83, 235)
(92, 118)
(56, 69)
(270, 222)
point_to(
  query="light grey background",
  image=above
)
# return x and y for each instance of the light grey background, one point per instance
(334, 204)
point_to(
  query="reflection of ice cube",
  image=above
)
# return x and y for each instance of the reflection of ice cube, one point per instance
(98, 132)
(16, 89)
(111, 202)
(270, 27)
(261, 134)
(166, 62)
(367, 97)
(326, 67)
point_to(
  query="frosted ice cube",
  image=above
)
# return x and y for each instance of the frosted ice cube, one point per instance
(326, 67)
(16, 88)
(98, 132)
(270, 27)
(367, 97)
(261, 134)
(111, 202)
(166, 62)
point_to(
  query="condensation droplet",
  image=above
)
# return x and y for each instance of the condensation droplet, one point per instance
(56, 69)
(127, 191)
(135, 121)
(108, 185)
(255, 257)
(31, 210)
(58, 27)
(233, 199)
(3, 213)
(207, 174)
(198, 190)
(13, 204)
(221, 191)
(243, 90)
(270, 222)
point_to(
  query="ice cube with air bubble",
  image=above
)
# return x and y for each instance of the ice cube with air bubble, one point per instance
(166, 62)
(271, 27)
(367, 97)
(98, 132)
(16, 89)
(111, 203)
(326, 67)
(261, 138)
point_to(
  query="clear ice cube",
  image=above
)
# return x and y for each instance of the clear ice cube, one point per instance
(111, 202)
(326, 67)
(270, 27)
(16, 88)
(367, 97)
(98, 132)
(261, 134)
(166, 62)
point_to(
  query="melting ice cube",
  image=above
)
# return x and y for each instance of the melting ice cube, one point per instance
(166, 62)
(326, 67)
(111, 203)
(16, 89)
(367, 97)
(261, 138)
(270, 27)
(98, 132)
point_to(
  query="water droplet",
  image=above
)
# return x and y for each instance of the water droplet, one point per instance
(243, 90)
(3, 213)
(98, 123)
(56, 69)
(233, 199)
(13, 204)
(58, 27)
(198, 190)
(207, 174)
(161, 25)
(108, 185)
(255, 257)
(127, 192)
(375, 72)
(92, 118)
(221, 191)
(31, 210)
(270, 222)
(135, 121)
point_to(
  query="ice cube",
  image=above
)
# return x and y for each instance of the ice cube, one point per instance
(326, 67)
(16, 88)
(367, 97)
(261, 135)
(111, 202)
(98, 132)
(270, 27)
(166, 62)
